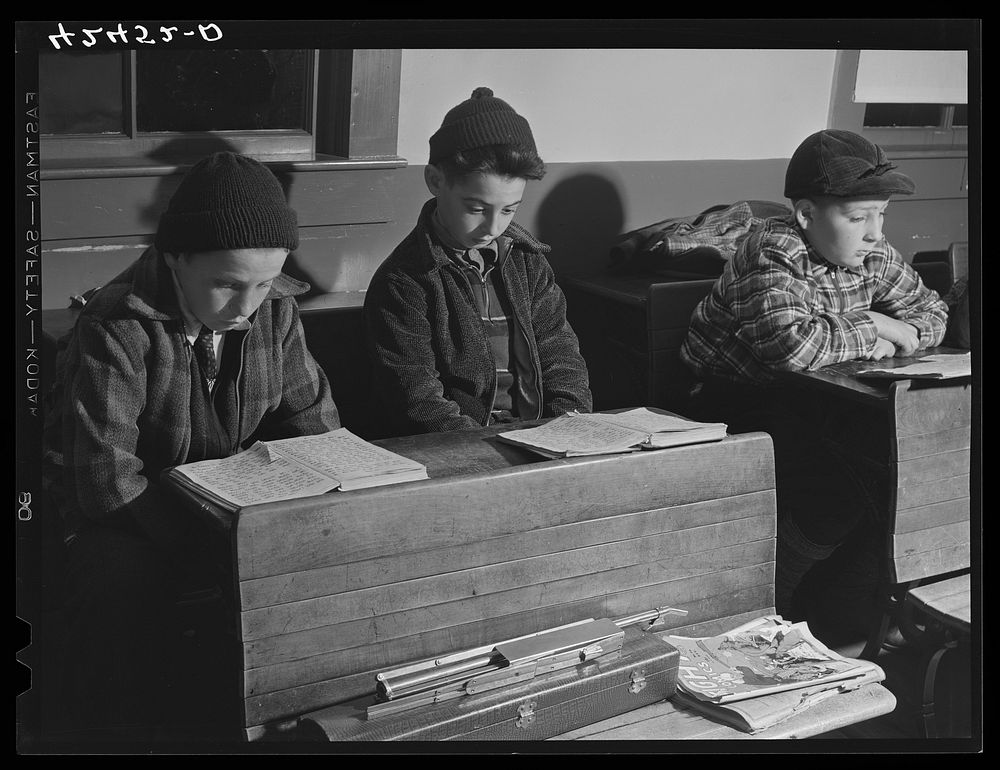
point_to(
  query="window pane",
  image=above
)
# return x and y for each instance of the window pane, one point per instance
(221, 90)
(903, 115)
(80, 93)
(961, 117)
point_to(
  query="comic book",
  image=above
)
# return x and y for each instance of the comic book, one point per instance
(767, 655)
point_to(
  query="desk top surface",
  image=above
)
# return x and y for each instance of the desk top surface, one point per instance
(843, 378)
(455, 454)
(463, 452)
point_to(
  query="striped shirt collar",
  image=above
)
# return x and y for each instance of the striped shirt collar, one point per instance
(459, 253)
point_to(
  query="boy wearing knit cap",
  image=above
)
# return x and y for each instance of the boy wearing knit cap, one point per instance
(194, 352)
(466, 326)
(816, 288)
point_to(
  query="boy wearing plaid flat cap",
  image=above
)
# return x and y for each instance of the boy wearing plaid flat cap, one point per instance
(819, 287)
(466, 326)
(194, 352)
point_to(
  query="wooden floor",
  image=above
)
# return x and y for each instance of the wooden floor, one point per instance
(905, 679)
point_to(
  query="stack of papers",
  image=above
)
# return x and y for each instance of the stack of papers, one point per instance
(763, 672)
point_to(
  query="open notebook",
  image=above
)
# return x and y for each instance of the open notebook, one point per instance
(295, 467)
(576, 434)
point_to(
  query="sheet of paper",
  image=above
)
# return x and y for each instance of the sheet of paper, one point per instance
(647, 421)
(342, 455)
(942, 365)
(579, 434)
(253, 477)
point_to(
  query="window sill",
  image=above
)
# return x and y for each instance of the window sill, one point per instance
(331, 301)
(91, 168)
(902, 151)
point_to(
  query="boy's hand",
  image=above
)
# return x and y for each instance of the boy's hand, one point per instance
(899, 333)
(883, 349)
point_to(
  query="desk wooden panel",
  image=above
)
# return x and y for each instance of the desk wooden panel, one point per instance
(926, 461)
(631, 328)
(930, 440)
(333, 589)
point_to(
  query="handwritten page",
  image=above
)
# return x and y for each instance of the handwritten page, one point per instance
(343, 456)
(940, 366)
(578, 434)
(252, 477)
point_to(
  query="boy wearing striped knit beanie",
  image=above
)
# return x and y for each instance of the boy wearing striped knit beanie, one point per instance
(465, 324)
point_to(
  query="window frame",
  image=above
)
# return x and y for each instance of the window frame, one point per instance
(352, 108)
(847, 114)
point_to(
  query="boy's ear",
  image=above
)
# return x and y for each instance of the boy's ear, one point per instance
(804, 212)
(434, 179)
(172, 260)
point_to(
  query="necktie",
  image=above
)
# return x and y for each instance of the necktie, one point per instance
(204, 350)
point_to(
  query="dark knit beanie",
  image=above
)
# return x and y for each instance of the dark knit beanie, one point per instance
(227, 201)
(480, 121)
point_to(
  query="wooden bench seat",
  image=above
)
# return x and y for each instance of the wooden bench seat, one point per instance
(945, 607)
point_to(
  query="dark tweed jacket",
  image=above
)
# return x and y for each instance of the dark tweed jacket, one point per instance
(430, 354)
(124, 412)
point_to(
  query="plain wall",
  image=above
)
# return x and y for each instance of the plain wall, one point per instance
(629, 136)
(628, 104)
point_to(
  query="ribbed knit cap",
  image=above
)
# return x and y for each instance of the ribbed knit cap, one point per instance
(842, 164)
(227, 201)
(479, 121)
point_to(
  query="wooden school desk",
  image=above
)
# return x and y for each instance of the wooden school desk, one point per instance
(920, 443)
(498, 542)
(630, 327)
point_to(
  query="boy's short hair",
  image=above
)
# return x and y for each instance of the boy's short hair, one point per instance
(227, 201)
(484, 134)
(842, 164)
(505, 160)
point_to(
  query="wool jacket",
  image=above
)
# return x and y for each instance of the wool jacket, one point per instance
(122, 407)
(429, 351)
(780, 306)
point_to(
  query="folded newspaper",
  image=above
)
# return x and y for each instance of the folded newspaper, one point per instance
(763, 672)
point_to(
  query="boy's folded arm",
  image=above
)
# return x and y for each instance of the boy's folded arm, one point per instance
(104, 399)
(565, 378)
(814, 341)
(904, 336)
(307, 405)
(901, 295)
(785, 332)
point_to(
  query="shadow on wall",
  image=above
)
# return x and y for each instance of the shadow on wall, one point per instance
(580, 218)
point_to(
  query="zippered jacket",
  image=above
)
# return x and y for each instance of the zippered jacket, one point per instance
(430, 355)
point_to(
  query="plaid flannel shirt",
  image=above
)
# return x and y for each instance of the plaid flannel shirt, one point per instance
(780, 306)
